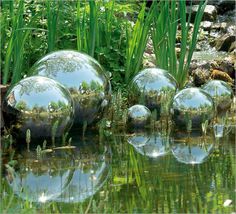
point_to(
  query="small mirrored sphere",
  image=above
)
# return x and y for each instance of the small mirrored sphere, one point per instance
(151, 145)
(40, 178)
(82, 75)
(155, 88)
(193, 149)
(138, 116)
(41, 105)
(91, 171)
(221, 93)
(192, 106)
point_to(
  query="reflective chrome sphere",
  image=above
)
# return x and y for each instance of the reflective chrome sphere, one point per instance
(193, 149)
(41, 105)
(82, 75)
(221, 93)
(153, 146)
(155, 88)
(138, 116)
(91, 171)
(41, 179)
(194, 105)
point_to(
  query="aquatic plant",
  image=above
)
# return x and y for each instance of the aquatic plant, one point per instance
(164, 34)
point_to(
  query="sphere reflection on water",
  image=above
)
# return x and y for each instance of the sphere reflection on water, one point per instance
(41, 179)
(138, 116)
(151, 145)
(91, 171)
(194, 105)
(82, 75)
(221, 93)
(39, 104)
(154, 86)
(193, 149)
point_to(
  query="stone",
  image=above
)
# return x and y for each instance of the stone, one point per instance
(39, 104)
(83, 76)
(220, 75)
(191, 107)
(224, 42)
(221, 93)
(200, 76)
(210, 13)
(206, 25)
(154, 88)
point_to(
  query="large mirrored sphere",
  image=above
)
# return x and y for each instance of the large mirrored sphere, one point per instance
(154, 87)
(193, 149)
(41, 178)
(151, 145)
(40, 104)
(91, 170)
(192, 105)
(138, 116)
(221, 93)
(82, 75)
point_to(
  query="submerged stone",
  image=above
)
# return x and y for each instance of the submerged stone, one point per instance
(41, 105)
(155, 88)
(138, 116)
(192, 107)
(82, 75)
(221, 93)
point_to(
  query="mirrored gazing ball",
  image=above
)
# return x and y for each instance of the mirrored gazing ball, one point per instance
(155, 88)
(138, 116)
(192, 105)
(82, 75)
(221, 93)
(193, 149)
(41, 179)
(40, 104)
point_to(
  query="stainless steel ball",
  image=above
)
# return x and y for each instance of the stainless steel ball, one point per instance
(193, 149)
(221, 93)
(155, 88)
(138, 116)
(192, 106)
(153, 146)
(41, 178)
(82, 75)
(40, 104)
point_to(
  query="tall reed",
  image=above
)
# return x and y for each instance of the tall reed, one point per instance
(53, 10)
(136, 42)
(164, 36)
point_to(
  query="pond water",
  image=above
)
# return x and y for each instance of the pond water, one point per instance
(125, 173)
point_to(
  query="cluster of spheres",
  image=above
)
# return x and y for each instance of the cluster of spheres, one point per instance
(68, 87)
(157, 90)
(65, 87)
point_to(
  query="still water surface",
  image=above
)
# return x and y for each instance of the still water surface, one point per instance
(127, 173)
